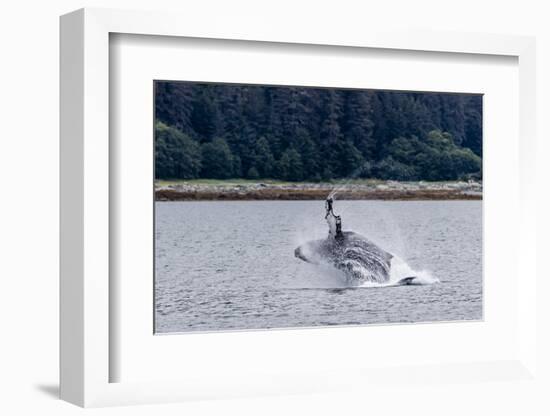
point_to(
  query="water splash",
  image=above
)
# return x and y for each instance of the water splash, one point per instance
(342, 186)
(399, 270)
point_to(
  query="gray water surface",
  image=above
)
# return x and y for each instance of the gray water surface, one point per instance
(222, 265)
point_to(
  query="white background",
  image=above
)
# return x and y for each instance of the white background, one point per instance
(29, 209)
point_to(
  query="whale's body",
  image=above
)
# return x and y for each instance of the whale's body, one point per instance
(356, 256)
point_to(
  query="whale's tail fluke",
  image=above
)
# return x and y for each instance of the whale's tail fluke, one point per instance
(407, 281)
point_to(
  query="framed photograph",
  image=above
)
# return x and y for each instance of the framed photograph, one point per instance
(248, 214)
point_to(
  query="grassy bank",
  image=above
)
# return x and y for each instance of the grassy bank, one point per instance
(357, 189)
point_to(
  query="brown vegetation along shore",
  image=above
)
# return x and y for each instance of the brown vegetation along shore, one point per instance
(390, 190)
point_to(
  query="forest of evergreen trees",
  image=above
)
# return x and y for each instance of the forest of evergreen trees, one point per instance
(314, 134)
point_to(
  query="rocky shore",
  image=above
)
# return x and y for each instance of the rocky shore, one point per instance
(366, 190)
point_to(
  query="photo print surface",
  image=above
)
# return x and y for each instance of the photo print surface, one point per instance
(293, 207)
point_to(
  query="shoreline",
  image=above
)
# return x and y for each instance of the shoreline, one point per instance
(358, 190)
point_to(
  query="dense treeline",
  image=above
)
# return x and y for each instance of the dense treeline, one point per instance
(298, 133)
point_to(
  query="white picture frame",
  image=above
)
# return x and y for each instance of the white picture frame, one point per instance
(86, 355)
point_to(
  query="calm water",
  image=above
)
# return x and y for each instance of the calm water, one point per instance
(231, 265)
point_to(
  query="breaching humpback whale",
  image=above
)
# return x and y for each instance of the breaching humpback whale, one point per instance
(357, 257)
